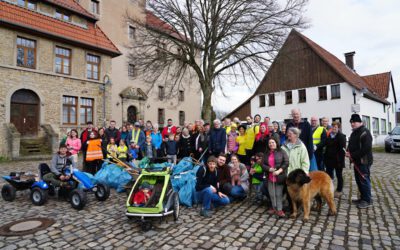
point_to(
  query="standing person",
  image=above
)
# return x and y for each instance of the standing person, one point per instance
(148, 129)
(84, 137)
(360, 152)
(257, 120)
(276, 162)
(282, 134)
(208, 188)
(137, 136)
(178, 134)
(297, 151)
(257, 177)
(251, 131)
(334, 156)
(122, 151)
(261, 141)
(325, 124)
(185, 147)
(217, 142)
(124, 133)
(237, 121)
(112, 150)
(199, 142)
(241, 141)
(74, 145)
(170, 128)
(319, 140)
(267, 120)
(156, 140)
(104, 141)
(305, 129)
(227, 125)
(239, 178)
(232, 145)
(113, 132)
(94, 154)
(148, 149)
(171, 149)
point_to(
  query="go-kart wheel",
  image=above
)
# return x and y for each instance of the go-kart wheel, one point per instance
(8, 192)
(146, 226)
(78, 199)
(103, 192)
(38, 196)
(176, 207)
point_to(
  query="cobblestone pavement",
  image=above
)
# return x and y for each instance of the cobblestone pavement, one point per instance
(238, 226)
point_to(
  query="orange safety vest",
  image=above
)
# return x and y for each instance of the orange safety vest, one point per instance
(94, 151)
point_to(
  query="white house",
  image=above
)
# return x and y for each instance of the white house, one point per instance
(306, 76)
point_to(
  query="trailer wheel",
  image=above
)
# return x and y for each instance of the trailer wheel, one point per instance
(8, 192)
(38, 196)
(78, 199)
(176, 207)
(146, 226)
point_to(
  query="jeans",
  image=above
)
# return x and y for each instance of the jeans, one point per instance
(206, 197)
(339, 175)
(237, 192)
(363, 180)
(259, 193)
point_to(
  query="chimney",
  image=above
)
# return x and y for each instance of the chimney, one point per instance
(350, 59)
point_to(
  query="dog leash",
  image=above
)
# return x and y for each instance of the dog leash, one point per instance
(357, 168)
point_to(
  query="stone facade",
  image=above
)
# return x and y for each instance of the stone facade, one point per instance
(49, 86)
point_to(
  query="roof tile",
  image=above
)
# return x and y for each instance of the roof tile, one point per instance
(379, 84)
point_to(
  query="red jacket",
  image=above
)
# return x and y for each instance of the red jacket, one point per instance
(165, 132)
(85, 135)
(140, 198)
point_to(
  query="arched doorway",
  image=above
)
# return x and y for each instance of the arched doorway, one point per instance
(132, 114)
(24, 113)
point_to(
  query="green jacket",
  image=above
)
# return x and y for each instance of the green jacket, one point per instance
(298, 156)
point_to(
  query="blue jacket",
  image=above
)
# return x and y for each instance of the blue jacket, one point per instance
(156, 139)
(141, 139)
(171, 147)
(217, 140)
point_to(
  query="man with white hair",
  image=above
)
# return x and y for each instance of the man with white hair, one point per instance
(305, 128)
(217, 142)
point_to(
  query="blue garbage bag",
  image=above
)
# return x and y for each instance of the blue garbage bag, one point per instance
(114, 176)
(184, 165)
(187, 193)
(313, 164)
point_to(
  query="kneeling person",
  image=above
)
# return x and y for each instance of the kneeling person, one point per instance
(207, 187)
(61, 159)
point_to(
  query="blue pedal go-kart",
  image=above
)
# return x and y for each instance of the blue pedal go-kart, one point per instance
(17, 181)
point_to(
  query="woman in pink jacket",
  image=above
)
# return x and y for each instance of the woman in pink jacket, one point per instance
(74, 145)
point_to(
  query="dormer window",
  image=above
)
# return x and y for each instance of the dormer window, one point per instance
(95, 7)
(30, 4)
(63, 16)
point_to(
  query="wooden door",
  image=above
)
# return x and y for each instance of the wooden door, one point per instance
(132, 114)
(25, 112)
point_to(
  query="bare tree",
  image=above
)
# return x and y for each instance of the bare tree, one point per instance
(220, 41)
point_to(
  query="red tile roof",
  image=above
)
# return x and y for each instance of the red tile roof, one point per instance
(72, 5)
(31, 21)
(153, 22)
(379, 84)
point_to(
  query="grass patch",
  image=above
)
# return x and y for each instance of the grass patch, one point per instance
(4, 159)
(378, 149)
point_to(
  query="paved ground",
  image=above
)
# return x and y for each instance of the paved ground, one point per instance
(238, 226)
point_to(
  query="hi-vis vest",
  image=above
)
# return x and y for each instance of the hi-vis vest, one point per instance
(317, 135)
(94, 151)
(135, 138)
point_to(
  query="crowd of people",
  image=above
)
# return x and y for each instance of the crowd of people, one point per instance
(239, 156)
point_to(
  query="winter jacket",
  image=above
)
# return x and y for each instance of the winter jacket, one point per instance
(156, 139)
(171, 147)
(58, 162)
(224, 175)
(113, 133)
(75, 144)
(167, 130)
(335, 150)
(360, 146)
(205, 179)
(258, 176)
(251, 133)
(141, 139)
(281, 161)
(217, 141)
(185, 146)
(199, 140)
(149, 151)
(232, 145)
(85, 135)
(298, 156)
(305, 135)
(261, 143)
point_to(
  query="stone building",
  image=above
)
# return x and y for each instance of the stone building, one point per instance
(132, 98)
(55, 63)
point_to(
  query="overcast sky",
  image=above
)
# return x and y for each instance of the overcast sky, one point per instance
(368, 27)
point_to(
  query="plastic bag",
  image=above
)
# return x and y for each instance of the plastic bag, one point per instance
(114, 176)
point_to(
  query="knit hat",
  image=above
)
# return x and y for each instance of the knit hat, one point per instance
(355, 118)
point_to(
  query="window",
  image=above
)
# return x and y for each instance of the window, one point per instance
(132, 32)
(26, 53)
(63, 60)
(86, 110)
(161, 92)
(181, 118)
(69, 110)
(288, 96)
(383, 127)
(375, 126)
(366, 121)
(322, 93)
(335, 91)
(181, 96)
(63, 16)
(95, 7)
(30, 4)
(262, 100)
(92, 67)
(302, 95)
(271, 99)
(131, 70)
(161, 116)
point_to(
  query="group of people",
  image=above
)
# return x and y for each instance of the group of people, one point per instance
(254, 154)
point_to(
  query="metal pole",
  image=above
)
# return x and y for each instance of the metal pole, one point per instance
(104, 104)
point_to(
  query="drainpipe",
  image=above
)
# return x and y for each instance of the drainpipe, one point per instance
(106, 81)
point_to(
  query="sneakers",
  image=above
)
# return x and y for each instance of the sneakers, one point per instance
(281, 214)
(356, 201)
(205, 213)
(271, 211)
(364, 204)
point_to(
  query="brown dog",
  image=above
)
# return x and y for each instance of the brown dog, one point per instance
(304, 188)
